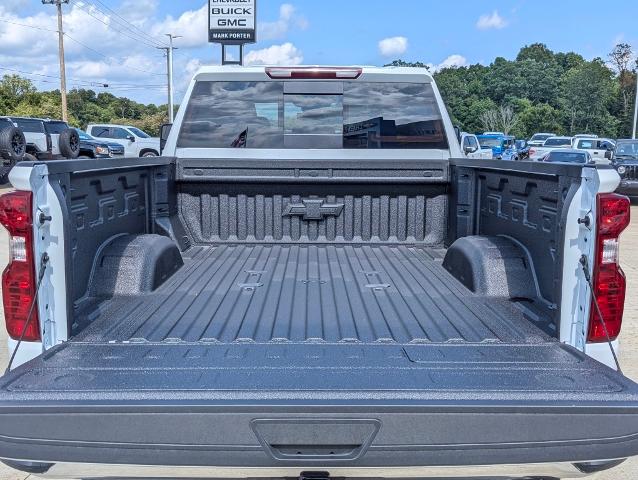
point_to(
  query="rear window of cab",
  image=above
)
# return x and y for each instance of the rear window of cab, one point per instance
(272, 115)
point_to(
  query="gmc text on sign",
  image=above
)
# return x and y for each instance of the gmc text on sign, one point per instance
(232, 21)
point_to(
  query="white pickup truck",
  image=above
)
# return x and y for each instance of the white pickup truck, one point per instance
(600, 149)
(136, 142)
(313, 282)
(552, 143)
(472, 149)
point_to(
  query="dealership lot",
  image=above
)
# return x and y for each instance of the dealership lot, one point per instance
(629, 339)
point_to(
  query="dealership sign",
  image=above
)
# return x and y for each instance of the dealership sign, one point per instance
(232, 22)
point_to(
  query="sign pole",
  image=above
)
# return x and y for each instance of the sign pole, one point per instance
(227, 61)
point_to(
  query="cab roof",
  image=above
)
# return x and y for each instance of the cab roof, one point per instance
(388, 74)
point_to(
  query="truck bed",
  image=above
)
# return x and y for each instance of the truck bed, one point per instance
(318, 293)
(314, 344)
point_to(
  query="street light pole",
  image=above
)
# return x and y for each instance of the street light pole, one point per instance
(58, 4)
(169, 68)
(633, 132)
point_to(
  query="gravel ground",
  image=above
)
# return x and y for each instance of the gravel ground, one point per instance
(629, 340)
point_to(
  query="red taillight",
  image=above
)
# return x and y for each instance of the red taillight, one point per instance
(608, 278)
(18, 279)
(314, 73)
(532, 151)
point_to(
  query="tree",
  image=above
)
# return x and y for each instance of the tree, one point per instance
(620, 58)
(402, 63)
(569, 60)
(537, 52)
(19, 97)
(587, 92)
(13, 89)
(502, 119)
(533, 118)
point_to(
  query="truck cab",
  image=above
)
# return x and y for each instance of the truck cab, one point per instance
(314, 282)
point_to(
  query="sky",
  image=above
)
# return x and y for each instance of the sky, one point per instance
(114, 42)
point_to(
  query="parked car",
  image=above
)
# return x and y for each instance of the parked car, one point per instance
(568, 155)
(136, 143)
(93, 148)
(538, 139)
(471, 148)
(552, 143)
(625, 161)
(497, 141)
(341, 296)
(519, 150)
(48, 139)
(600, 148)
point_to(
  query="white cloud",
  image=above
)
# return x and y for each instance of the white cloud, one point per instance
(138, 11)
(192, 25)
(389, 47)
(491, 20)
(286, 54)
(455, 60)
(13, 5)
(288, 18)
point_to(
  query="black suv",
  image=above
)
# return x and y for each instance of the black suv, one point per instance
(625, 161)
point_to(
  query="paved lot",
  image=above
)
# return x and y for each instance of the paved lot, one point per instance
(629, 339)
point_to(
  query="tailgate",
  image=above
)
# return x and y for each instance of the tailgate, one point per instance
(316, 405)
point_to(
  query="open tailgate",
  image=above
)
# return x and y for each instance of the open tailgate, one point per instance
(309, 405)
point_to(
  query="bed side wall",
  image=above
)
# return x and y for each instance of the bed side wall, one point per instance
(524, 201)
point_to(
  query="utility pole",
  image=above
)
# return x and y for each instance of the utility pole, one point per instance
(169, 69)
(58, 4)
(633, 132)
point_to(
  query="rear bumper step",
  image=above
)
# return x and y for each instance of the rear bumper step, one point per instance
(334, 436)
(539, 470)
(316, 405)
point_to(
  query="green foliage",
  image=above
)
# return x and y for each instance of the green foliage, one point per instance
(19, 97)
(554, 92)
(401, 63)
(587, 94)
(534, 118)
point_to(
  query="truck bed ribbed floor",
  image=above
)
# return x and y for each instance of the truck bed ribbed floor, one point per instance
(314, 293)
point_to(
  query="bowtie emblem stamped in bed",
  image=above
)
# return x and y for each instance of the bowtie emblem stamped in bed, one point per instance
(313, 209)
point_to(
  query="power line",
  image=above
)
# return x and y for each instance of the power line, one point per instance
(81, 6)
(36, 27)
(126, 22)
(110, 57)
(121, 22)
(90, 83)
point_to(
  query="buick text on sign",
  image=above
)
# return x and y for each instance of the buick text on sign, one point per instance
(232, 21)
